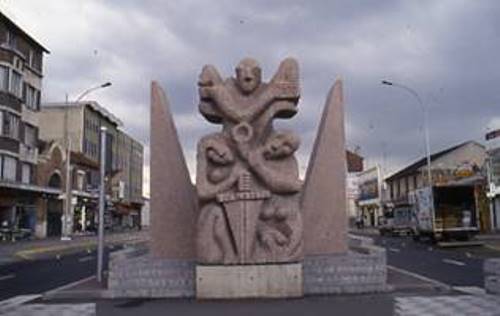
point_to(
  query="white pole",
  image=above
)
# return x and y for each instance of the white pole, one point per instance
(66, 227)
(100, 248)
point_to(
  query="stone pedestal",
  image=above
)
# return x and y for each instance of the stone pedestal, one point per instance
(249, 281)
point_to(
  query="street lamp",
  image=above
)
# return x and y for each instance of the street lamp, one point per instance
(67, 210)
(84, 93)
(426, 124)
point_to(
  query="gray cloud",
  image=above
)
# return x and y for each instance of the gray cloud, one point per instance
(446, 50)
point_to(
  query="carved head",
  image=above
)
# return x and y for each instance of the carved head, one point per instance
(248, 75)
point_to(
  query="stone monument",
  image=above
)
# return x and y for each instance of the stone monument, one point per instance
(249, 227)
(247, 175)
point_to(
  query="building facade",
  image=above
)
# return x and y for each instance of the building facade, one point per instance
(21, 74)
(463, 163)
(354, 167)
(493, 163)
(79, 125)
(369, 202)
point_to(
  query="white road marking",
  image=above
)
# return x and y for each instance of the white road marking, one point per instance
(420, 277)
(7, 277)
(16, 301)
(394, 249)
(455, 262)
(85, 259)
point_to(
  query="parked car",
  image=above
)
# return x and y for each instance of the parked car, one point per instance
(397, 221)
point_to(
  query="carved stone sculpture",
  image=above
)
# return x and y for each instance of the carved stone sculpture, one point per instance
(247, 174)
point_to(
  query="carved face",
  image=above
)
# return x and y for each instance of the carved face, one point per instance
(248, 75)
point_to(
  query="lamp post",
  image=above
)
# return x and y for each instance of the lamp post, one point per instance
(66, 229)
(426, 124)
(102, 201)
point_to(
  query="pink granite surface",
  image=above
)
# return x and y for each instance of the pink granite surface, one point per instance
(323, 200)
(173, 196)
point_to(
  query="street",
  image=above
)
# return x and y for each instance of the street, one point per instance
(37, 266)
(414, 268)
(38, 276)
(460, 266)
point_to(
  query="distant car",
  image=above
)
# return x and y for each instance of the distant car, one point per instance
(396, 222)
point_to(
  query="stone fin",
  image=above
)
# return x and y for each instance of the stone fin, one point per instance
(173, 196)
(323, 198)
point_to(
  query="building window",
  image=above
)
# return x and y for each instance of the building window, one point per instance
(16, 84)
(26, 173)
(11, 40)
(9, 166)
(80, 180)
(10, 125)
(29, 136)
(30, 58)
(31, 97)
(4, 78)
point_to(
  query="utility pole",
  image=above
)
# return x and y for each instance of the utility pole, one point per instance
(102, 200)
(66, 218)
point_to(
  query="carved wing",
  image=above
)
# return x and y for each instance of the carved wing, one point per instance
(286, 82)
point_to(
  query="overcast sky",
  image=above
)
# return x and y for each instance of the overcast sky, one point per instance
(448, 51)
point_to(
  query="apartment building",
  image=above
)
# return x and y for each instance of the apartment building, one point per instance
(79, 124)
(21, 76)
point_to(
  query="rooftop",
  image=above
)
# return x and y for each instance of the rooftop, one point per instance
(92, 104)
(12, 24)
(423, 161)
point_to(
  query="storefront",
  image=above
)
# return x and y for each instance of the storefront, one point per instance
(85, 213)
(126, 216)
(22, 211)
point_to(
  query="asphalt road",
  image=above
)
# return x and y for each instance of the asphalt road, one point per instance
(312, 305)
(38, 276)
(461, 266)
(455, 267)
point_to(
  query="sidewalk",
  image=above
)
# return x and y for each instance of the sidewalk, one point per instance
(37, 249)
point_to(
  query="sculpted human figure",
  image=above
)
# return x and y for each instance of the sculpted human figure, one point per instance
(247, 175)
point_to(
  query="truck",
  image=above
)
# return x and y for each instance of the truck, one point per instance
(397, 221)
(444, 213)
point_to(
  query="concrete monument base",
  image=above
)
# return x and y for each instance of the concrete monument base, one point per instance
(249, 281)
(134, 273)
